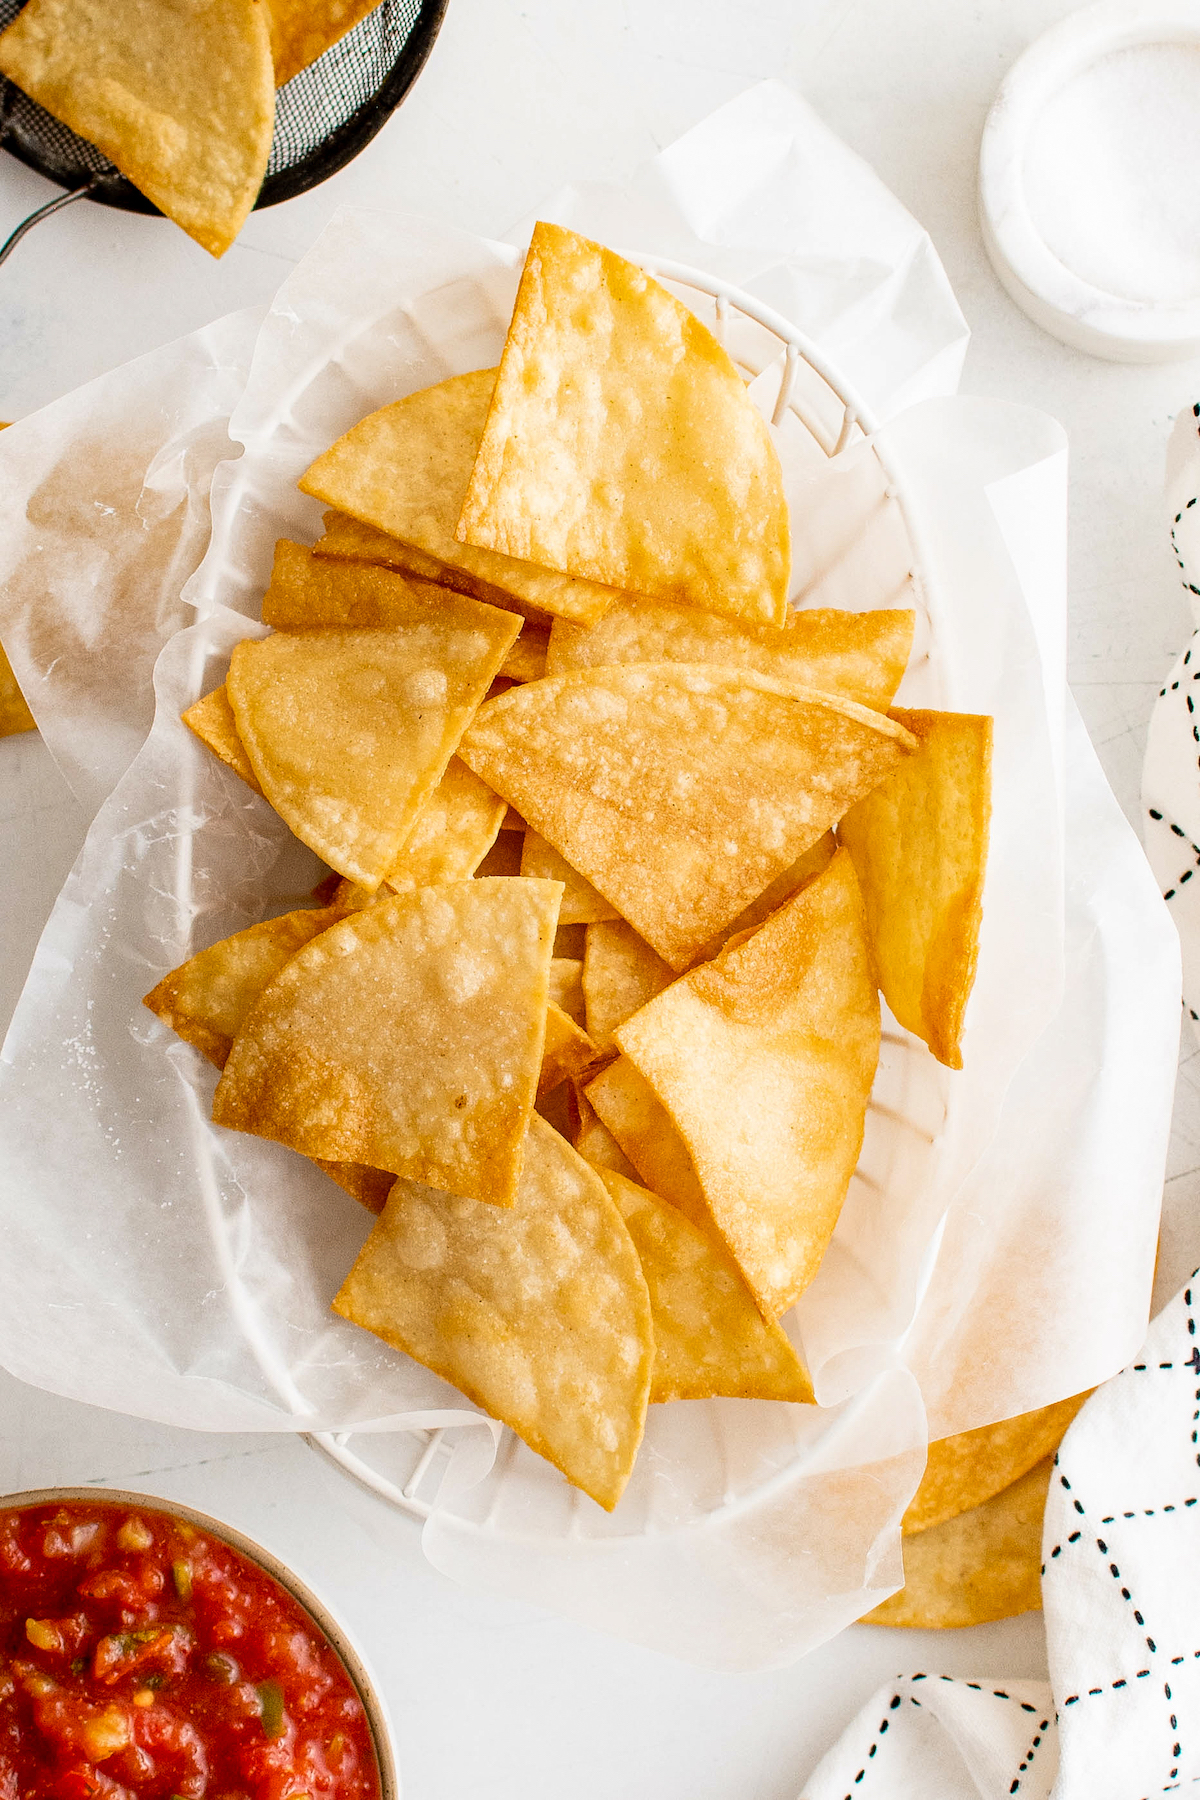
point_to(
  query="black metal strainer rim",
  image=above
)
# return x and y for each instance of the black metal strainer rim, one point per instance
(334, 151)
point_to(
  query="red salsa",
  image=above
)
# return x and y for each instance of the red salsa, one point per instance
(143, 1660)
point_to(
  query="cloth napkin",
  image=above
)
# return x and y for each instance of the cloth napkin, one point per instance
(1120, 1719)
(1171, 774)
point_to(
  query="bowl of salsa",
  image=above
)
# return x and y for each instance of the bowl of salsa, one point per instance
(149, 1652)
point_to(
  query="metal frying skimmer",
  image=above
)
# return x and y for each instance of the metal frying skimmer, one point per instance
(323, 117)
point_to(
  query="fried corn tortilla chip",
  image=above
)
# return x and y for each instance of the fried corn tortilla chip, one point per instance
(709, 1336)
(582, 905)
(620, 973)
(180, 97)
(679, 791)
(566, 987)
(207, 998)
(15, 715)
(453, 832)
(622, 445)
(349, 540)
(810, 862)
(569, 1052)
(212, 721)
(302, 30)
(408, 1038)
(349, 732)
(764, 1060)
(526, 661)
(965, 1470)
(860, 655)
(539, 1314)
(594, 1141)
(306, 591)
(641, 1126)
(919, 844)
(404, 470)
(370, 1187)
(981, 1565)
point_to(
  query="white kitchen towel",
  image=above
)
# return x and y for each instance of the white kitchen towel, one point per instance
(1121, 1590)
(1171, 773)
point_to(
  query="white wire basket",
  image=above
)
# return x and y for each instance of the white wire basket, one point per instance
(911, 1095)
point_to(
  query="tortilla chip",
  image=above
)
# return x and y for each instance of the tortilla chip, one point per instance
(919, 844)
(569, 1052)
(645, 1133)
(15, 715)
(526, 661)
(404, 470)
(408, 1037)
(764, 1060)
(566, 987)
(620, 973)
(206, 999)
(307, 591)
(595, 1142)
(212, 720)
(539, 1314)
(860, 655)
(370, 1187)
(622, 445)
(180, 97)
(679, 791)
(349, 540)
(709, 1336)
(582, 905)
(453, 832)
(349, 732)
(982, 1565)
(302, 30)
(965, 1470)
(810, 862)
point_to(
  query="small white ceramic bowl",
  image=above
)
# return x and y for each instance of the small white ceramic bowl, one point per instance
(1089, 180)
(326, 1623)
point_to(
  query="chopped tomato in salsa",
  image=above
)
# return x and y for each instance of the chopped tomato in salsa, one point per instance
(143, 1660)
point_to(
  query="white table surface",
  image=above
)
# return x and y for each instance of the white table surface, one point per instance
(491, 1699)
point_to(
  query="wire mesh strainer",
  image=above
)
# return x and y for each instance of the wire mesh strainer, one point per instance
(323, 117)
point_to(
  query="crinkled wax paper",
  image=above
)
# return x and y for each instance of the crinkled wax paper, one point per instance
(172, 1270)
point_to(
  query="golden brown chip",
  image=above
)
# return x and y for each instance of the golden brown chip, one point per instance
(206, 999)
(594, 1141)
(526, 661)
(566, 987)
(860, 655)
(349, 732)
(307, 591)
(453, 832)
(405, 470)
(15, 715)
(370, 1187)
(622, 446)
(539, 1314)
(919, 844)
(180, 97)
(582, 905)
(349, 540)
(408, 1037)
(810, 862)
(212, 720)
(764, 1060)
(641, 1126)
(569, 1051)
(620, 973)
(679, 791)
(967, 1469)
(302, 30)
(709, 1336)
(981, 1565)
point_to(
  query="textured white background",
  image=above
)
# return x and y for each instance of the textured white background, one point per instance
(491, 1699)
